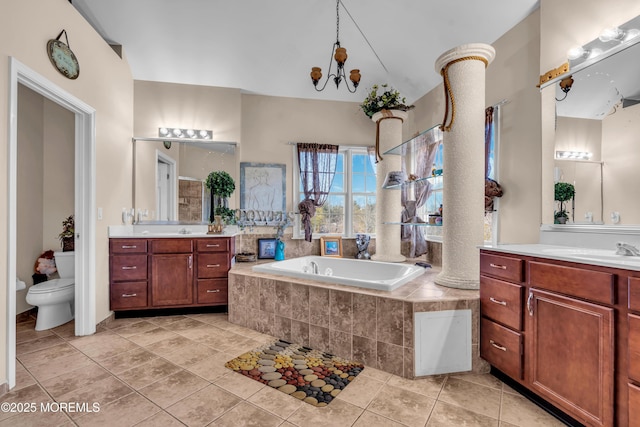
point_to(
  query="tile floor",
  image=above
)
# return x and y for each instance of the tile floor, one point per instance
(169, 371)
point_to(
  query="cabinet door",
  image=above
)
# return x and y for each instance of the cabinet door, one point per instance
(171, 279)
(571, 355)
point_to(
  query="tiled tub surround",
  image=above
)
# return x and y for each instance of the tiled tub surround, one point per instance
(373, 327)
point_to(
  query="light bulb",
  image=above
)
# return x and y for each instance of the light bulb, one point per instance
(164, 131)
(177, 132)
(610, 34)
(191, 133)
(575, 52)
(204, 134)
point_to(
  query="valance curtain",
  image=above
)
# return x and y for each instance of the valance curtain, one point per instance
(424, 150)
(317, 165)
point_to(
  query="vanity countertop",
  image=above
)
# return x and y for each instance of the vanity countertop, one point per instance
(582, 255)
(155, 231)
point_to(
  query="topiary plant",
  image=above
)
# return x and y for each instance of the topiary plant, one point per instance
(563, 193)
(220, 183)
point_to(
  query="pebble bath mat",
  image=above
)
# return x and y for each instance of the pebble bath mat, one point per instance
(310, 375)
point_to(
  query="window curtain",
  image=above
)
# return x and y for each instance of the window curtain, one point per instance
(317, 165)
(424, 150)
(491, 187)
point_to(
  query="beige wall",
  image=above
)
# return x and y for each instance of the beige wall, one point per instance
(105, 83)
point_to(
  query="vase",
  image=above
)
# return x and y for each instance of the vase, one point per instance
(68, 244)
(279, 255)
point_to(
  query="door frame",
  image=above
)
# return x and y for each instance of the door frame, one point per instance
(84, 200)
(173, 185)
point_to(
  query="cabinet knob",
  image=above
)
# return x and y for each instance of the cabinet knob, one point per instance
(129, 295)
(213, 291)
(492, 299)
(498, 346)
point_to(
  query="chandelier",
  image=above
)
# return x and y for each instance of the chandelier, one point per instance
(340, 56)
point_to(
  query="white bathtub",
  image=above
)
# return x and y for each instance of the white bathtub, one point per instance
(384, 276)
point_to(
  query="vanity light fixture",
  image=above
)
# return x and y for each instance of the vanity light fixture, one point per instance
(340, 55)
(185, 133)
(573, 155)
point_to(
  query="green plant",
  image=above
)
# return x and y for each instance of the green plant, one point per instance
(388, 99)
(563, 193)
(220, 183)
(68, 228)
(228, 215)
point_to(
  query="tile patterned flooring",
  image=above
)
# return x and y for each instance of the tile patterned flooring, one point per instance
(169, 371)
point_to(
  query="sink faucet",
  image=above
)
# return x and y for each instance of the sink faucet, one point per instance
(314, 267)
(184, 231)
(627, 249)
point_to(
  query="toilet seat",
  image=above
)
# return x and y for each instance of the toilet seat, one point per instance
(54, 285)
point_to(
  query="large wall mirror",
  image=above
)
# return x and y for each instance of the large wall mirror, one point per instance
(600, 115)
(169, 178)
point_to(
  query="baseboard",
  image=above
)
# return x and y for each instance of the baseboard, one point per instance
(4, 389)
(27, 315)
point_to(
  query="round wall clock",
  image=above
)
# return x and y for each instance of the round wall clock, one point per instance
(63, 58)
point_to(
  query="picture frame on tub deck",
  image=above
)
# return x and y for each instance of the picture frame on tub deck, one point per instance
(266, 248)
(331, 246)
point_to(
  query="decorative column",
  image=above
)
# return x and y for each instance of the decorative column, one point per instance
(388, 207)
(463, 71)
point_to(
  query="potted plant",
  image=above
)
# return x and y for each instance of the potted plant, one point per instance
(67, 235)
(221, 185)
(383, 97)
(563, 193)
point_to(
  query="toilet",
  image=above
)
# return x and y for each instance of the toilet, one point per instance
(55, 298)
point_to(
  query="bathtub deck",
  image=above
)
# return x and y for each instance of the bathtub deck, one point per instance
(374, 327)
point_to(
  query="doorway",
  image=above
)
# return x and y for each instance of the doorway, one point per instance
(84, 198)
(166, 183)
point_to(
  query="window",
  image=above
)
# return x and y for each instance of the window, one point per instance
(351, 205)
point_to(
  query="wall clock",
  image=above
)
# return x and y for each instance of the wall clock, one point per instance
(62, 57)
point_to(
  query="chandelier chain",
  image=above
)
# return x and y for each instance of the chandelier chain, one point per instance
(338, 22)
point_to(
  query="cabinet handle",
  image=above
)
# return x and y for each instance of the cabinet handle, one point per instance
(502, 267)
(129, 267)
(213, 291)
(529, 303)
(213, 246)
(129, 295)
(498, 346)
(190, 261)
(129, 247)
(492, 299)
(213, 265)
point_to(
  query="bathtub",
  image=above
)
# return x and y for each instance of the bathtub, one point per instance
(384, 276)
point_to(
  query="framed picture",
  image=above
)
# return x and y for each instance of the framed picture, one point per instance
(266, 248)
(331, 246)
(263, 186)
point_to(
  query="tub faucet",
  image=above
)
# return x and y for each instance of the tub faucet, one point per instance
(627, 249)
(314, 267)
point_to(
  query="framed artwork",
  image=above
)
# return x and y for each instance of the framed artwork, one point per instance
(263, 186)
(266, 248)
(331, 246)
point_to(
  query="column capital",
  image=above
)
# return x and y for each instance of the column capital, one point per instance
(473, 49)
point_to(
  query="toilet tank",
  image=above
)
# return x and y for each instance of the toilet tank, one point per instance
(65, 263)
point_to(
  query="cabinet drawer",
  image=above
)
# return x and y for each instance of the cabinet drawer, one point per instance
(501, 347)
(634, 293)
(128, 295)
(578, 282)
(634, 405)
(213, 265)
(501, 301)
(634, 347)
(213, 245)
(212, 291)
(171, 246)
(503, 267)
(128, 268)
(127, 246)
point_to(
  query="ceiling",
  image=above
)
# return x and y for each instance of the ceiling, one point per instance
(268, 47)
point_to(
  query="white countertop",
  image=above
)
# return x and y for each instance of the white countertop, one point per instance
(590, 256)
(166, 231)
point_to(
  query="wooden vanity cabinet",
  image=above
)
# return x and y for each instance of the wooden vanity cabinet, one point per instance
(633, 319)
(128, 274)
(564, 323)
(169, 272)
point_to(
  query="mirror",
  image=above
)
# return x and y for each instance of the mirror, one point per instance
(169, 178)
(600, 115)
